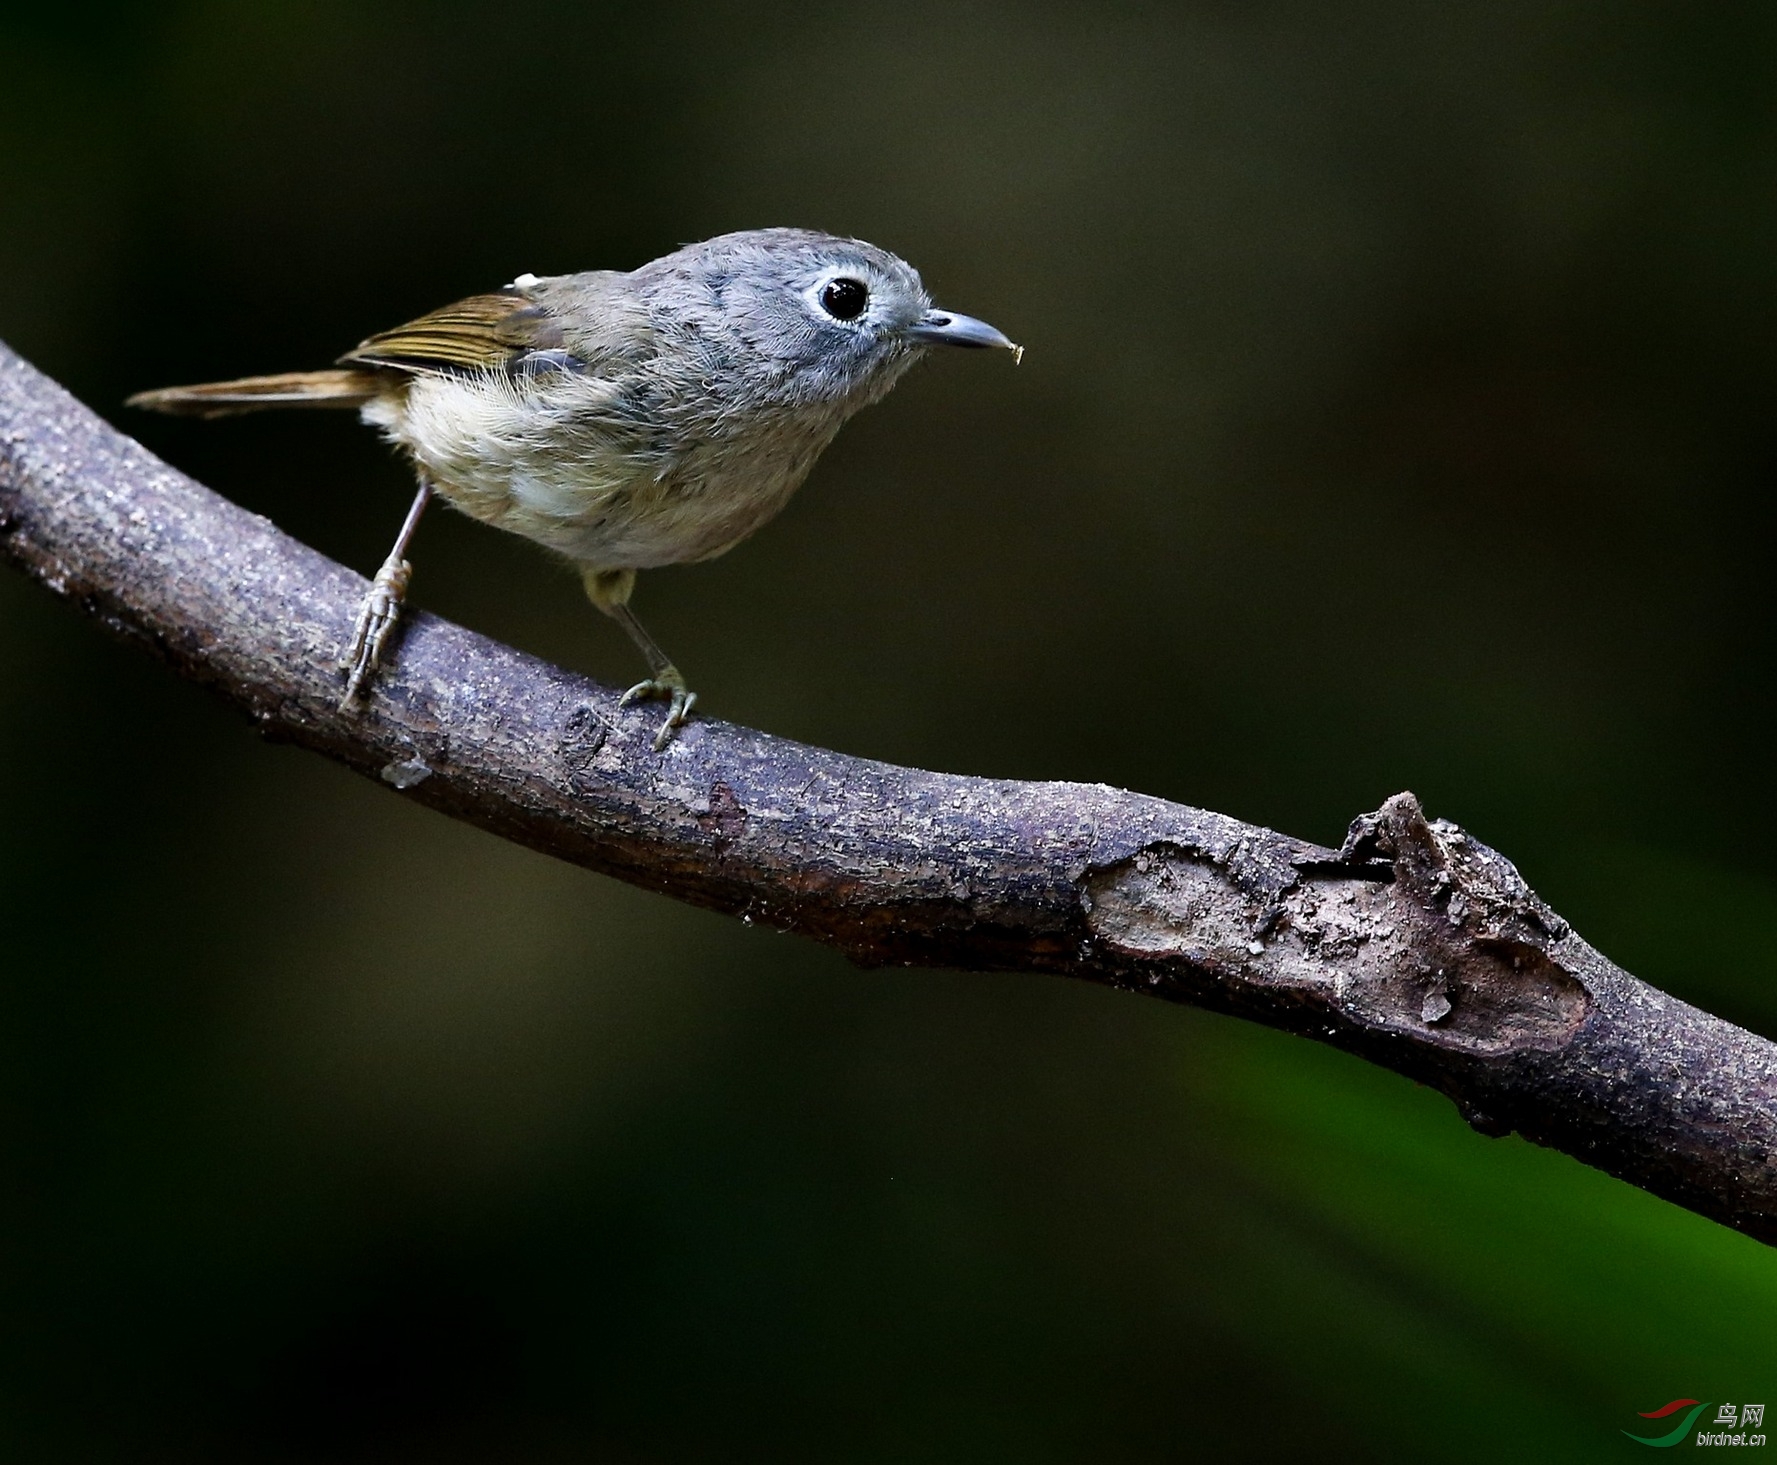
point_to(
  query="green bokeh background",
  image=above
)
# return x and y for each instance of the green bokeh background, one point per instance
(1397, 414)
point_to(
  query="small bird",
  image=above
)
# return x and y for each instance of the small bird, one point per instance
(623, 420)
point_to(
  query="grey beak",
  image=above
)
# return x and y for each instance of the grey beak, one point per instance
(947, 328)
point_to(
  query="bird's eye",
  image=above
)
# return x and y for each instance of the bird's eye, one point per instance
(844, 299)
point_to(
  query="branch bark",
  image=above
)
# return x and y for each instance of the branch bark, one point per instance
(1414, 945)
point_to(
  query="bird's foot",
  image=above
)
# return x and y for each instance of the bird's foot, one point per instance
(376, 619)
(665, 683)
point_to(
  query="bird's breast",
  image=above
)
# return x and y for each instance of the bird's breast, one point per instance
(596, 472)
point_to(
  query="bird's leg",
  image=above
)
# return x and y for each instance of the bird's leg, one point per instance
(382, 606)
(609, 591)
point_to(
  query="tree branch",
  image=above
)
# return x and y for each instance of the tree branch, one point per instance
(1414, 945)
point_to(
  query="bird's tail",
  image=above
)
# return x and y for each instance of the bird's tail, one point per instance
(336, 388)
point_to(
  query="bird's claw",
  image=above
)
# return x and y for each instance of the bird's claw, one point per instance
(668, 684)
(376, 619)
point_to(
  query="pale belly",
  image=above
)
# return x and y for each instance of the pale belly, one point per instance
(543, 461)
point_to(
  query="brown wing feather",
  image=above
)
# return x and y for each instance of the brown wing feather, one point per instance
(484, 332)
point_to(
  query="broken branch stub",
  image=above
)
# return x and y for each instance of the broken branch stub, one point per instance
(1413, 929)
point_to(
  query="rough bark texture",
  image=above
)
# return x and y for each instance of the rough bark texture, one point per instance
(1414, 945)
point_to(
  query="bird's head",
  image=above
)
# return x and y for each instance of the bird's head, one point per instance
(798, 316)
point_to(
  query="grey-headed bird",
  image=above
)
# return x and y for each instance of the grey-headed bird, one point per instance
(623, 420)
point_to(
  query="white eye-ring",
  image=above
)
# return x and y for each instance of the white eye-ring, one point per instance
(844, 298)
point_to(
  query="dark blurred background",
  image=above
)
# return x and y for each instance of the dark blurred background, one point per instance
(1397, 414)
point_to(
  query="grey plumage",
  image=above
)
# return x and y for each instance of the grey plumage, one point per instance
(631, 420)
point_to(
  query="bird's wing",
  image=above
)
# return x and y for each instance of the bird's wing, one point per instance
(494, 332)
